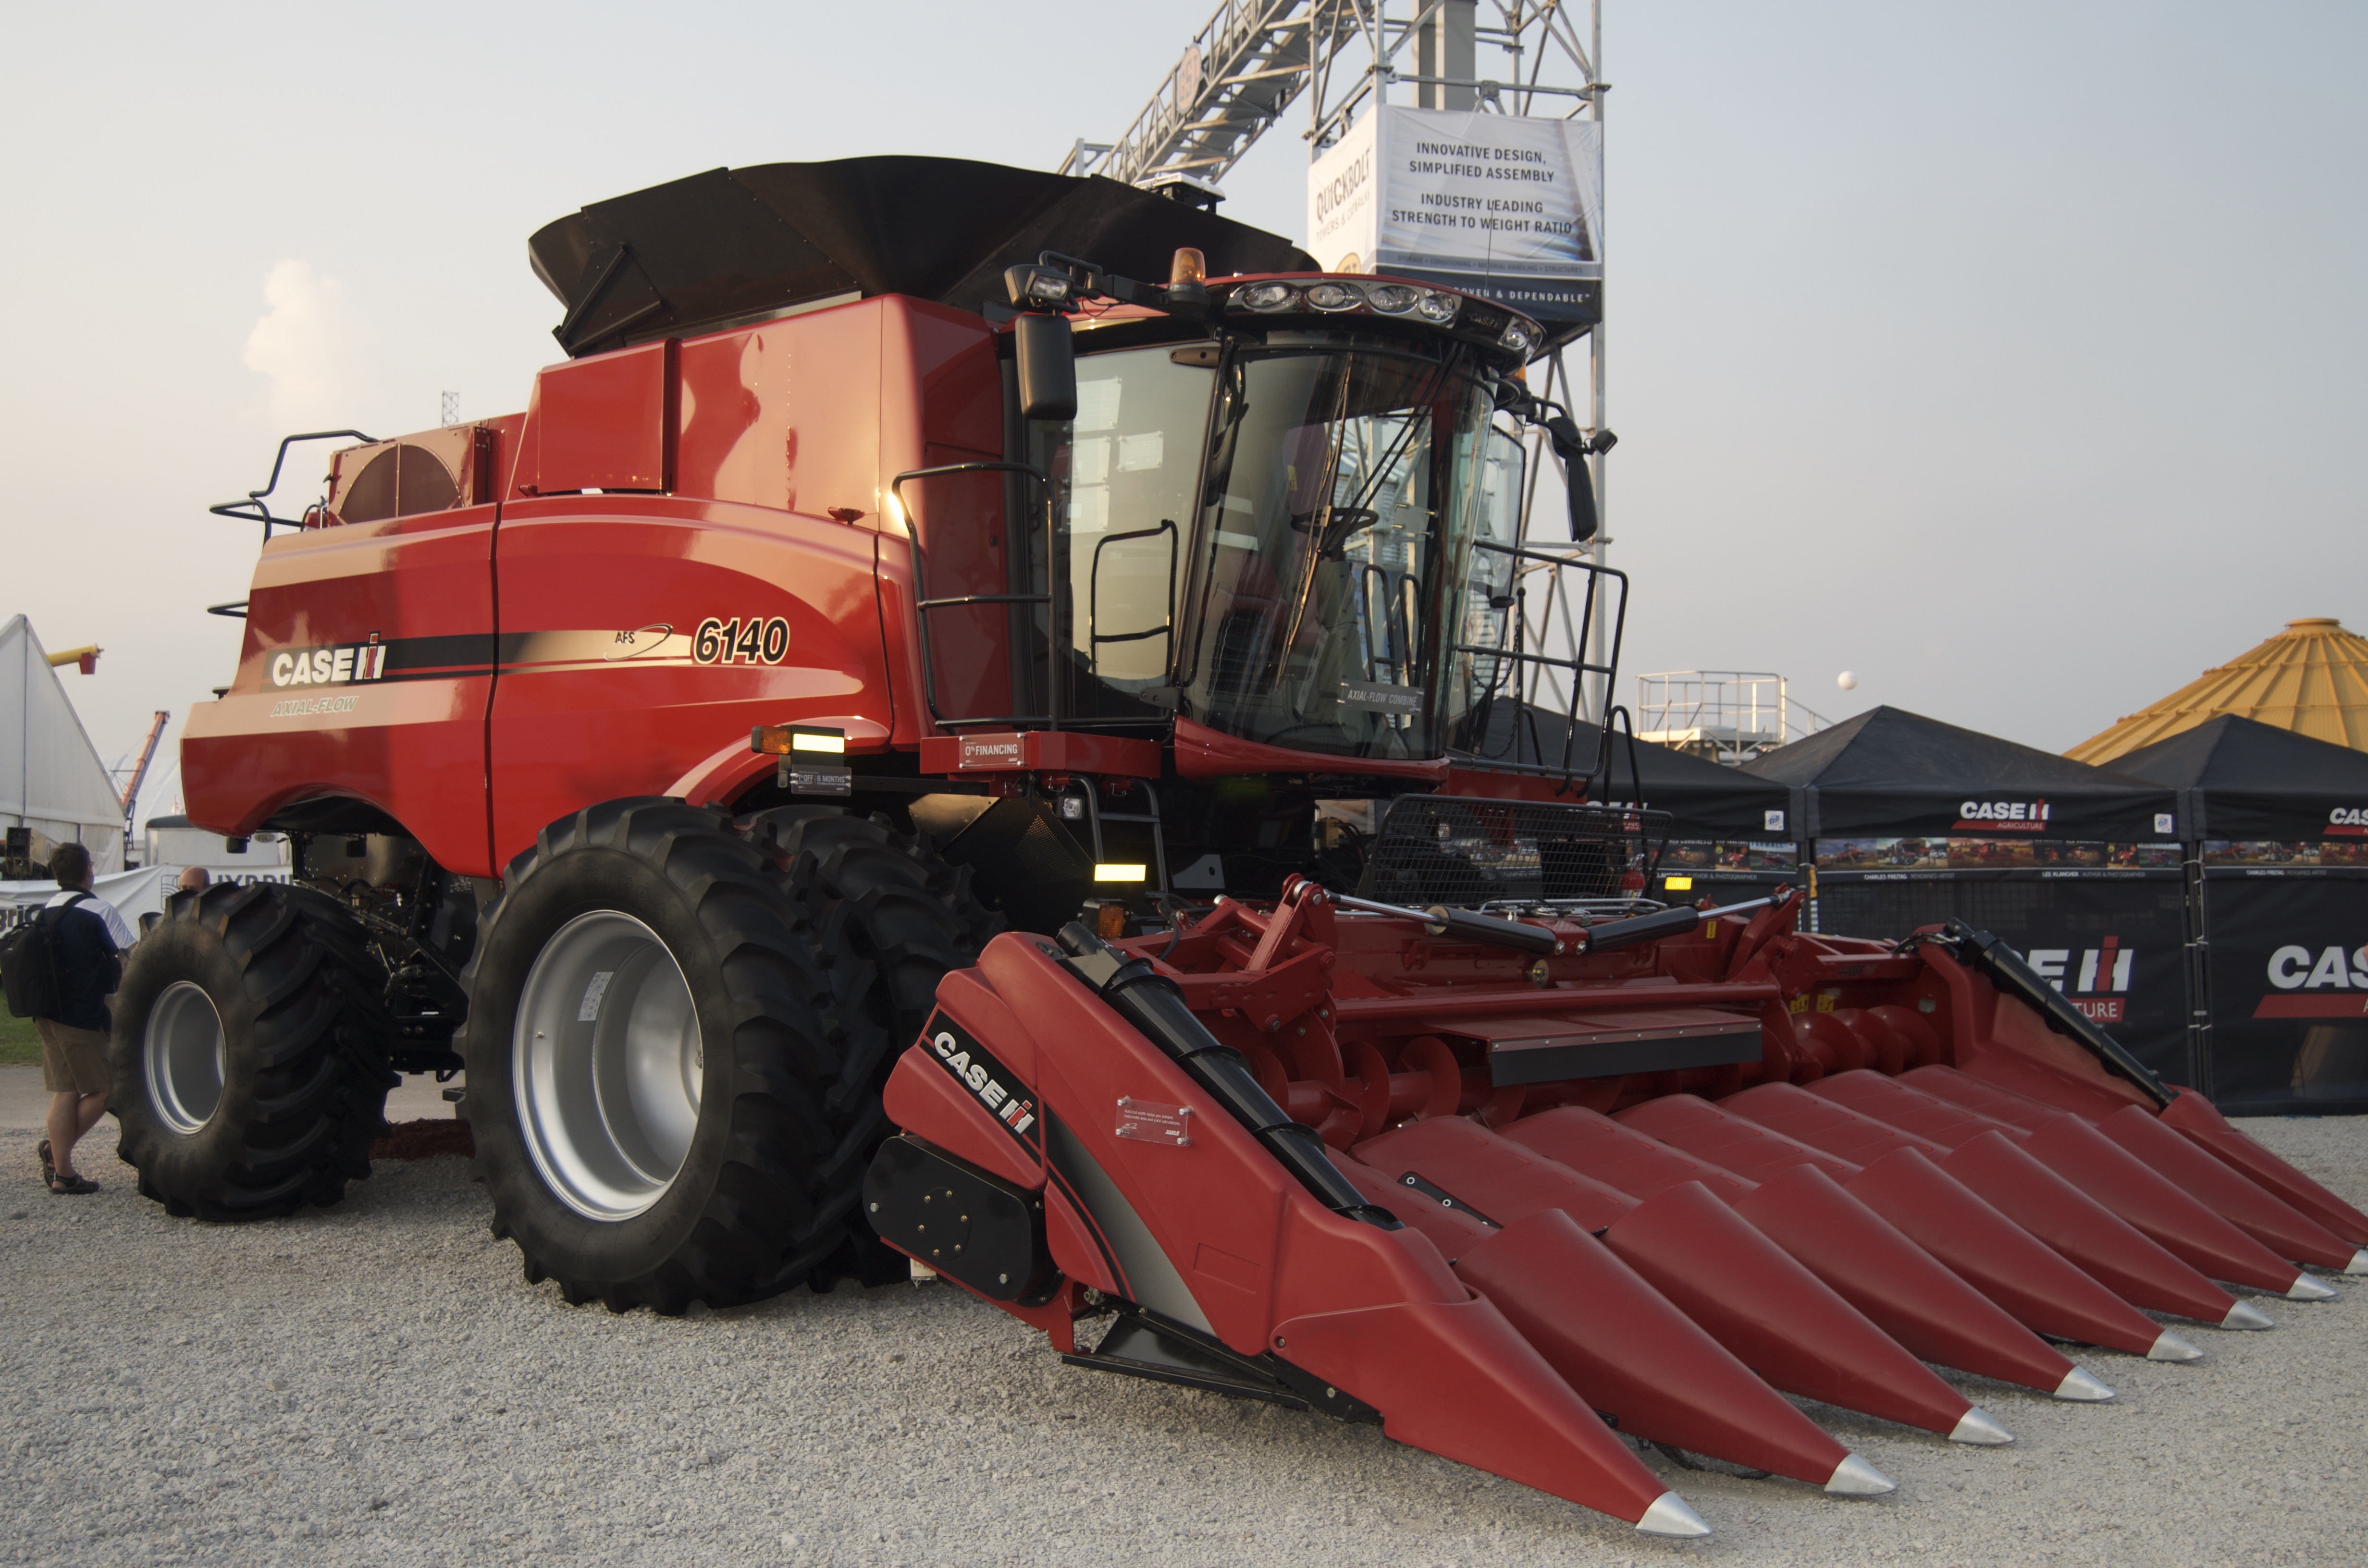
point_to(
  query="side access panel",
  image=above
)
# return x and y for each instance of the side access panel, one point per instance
(642, 634)
(365, 672)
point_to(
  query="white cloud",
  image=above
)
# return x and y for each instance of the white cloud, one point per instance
(310, 343)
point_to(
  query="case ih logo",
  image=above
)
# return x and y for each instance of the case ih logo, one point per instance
(987, 1080)
(2328, 981)
(2349, 821)
(2003, 816)
(2100, 987)
(337, 666)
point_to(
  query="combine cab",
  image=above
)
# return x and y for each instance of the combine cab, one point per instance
(918, 750)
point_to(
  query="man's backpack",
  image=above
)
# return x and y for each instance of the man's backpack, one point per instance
(29, 964)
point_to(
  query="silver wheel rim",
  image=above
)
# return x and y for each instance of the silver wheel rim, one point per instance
(183, 1051)
(606, 1065)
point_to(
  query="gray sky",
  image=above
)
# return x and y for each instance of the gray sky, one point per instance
(2006, 355)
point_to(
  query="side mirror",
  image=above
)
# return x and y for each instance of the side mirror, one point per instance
(1047, 357)
(1573, 449)
(1583, 522)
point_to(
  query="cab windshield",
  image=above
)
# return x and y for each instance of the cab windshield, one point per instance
(1314, 601)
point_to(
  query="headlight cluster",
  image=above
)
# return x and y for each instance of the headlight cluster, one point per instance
(1334, 295)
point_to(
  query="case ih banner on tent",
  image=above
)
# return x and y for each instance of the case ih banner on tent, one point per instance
(1505, 207)
(1911, 822)
(2281, 910)
(2287, 963)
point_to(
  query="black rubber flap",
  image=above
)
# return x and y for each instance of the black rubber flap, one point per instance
(1040, 874)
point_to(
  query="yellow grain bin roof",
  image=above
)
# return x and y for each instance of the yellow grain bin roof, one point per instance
(2311, 679)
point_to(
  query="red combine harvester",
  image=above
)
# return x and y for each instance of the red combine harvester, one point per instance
(918, 749)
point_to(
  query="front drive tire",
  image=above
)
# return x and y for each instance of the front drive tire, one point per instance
(247, 1073)
(652, 1049)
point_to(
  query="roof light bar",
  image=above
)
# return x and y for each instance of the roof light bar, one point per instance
(1380, 297)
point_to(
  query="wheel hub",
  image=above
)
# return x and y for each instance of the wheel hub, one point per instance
(607, 1065)
(183, 1053)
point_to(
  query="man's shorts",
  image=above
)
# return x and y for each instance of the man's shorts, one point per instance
(73, 1061)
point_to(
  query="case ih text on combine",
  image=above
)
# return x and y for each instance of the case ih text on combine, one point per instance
(945, 734)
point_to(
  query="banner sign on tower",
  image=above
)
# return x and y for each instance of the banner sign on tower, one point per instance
(1507, 208)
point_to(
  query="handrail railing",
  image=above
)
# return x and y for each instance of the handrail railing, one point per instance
(255, 508)
(924, 604)
(1728, 716)
(1095, 637)
(1520, 662)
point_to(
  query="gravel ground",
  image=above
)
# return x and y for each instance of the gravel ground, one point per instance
(375, 1384)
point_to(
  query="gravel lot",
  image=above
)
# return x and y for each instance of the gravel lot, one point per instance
(375, 1384)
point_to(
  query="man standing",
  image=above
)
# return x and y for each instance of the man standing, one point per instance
(89, 933)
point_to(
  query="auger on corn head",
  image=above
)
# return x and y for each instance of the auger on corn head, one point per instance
(968, 768)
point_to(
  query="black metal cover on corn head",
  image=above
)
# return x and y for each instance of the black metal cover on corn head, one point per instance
(736, 245)
(959, 1220)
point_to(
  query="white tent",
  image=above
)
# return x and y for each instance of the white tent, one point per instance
(175, 843)
(134, 894)
(51, 777)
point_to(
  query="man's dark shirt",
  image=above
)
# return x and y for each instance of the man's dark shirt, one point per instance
(88, 967)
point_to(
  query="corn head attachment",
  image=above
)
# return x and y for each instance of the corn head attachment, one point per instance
(1517, 1164)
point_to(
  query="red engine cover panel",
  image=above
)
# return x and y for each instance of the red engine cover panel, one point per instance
(599, 423)
(365, 671)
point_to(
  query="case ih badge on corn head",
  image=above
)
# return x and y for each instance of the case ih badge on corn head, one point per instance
(898, 621)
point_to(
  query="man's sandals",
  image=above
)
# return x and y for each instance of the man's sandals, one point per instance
(63, 1187)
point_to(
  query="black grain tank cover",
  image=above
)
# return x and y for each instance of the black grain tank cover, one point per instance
(739, 244)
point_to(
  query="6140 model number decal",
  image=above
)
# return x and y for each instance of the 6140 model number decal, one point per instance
(743, 639)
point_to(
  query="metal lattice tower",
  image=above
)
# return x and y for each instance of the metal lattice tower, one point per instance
(1254, 59)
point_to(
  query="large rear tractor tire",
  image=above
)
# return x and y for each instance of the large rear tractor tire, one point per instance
(892, 917)
(249, 1073)
(657, 1065)
(888, 898)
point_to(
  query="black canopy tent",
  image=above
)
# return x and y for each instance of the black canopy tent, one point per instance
(1730, 836)
(1909, 821)
(1888, 773)
(2278, 909)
